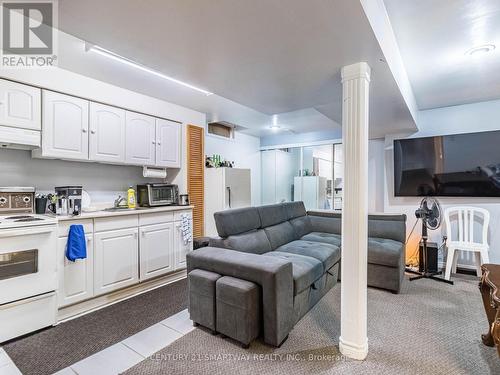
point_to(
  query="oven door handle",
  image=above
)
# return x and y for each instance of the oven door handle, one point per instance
(24, 232)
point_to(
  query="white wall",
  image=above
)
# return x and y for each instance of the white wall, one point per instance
(467, 118)
(244, 151)
(103, 182)
(376, 183)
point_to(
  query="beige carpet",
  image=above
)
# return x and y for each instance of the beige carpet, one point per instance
(430, 328)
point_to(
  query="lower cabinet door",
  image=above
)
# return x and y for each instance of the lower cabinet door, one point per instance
(76, 281)
(116, 260)
(181, 247)
(156, 250)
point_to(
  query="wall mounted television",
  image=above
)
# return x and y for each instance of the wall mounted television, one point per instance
(461, 165)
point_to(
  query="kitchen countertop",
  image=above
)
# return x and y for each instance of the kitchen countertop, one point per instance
(139, 211)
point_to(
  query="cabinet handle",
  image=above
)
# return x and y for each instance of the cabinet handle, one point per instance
(84, 130)
(92, 132)
(153, 142)
(135, 235)
(159, 143)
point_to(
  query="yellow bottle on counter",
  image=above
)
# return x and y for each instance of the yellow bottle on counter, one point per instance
(131, 197)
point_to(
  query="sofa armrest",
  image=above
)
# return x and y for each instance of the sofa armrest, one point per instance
(272, 274)
(216, 242)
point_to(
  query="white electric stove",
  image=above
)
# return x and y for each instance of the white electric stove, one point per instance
(28, 267)
(25, 220)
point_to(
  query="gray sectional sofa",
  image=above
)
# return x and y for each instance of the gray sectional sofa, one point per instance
(292, 256)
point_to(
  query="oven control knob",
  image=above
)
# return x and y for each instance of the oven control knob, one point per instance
(3, 200)
(26, 199)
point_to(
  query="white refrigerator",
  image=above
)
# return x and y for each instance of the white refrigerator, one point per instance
(225, 188)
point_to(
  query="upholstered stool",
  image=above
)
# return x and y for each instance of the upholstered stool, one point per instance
(201, 286)
(238, 309)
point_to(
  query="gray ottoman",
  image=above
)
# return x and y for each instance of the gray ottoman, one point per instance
(238, 309)
(201, 285)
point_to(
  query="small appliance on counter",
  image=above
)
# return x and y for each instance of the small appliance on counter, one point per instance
(153, 195)
(17, 199)
(69, 200)
(184, 200)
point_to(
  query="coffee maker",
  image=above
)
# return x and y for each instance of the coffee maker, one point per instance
(69, 200)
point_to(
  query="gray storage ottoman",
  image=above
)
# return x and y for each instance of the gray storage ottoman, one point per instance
(201, 285)
(238, 309)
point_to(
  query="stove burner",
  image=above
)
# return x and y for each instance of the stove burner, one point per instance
(28, 219)
(19, 217)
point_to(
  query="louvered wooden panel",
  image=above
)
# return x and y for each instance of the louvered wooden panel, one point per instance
(196, 176)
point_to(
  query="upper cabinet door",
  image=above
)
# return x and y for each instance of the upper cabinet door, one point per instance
(168, 144)
(107, 133)
(140, 139)
(65, 126)
(20, 105)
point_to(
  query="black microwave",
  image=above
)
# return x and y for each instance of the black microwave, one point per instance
(153, 195)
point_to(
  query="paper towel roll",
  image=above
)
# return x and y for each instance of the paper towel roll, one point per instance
(153, 172)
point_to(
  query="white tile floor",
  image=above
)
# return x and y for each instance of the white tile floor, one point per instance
(152, 339)
(7, 367)
(124, 355)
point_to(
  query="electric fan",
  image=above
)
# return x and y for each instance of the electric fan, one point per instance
(431, 215)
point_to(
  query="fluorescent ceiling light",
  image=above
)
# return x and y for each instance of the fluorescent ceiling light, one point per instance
(480, 50)
(111, 55)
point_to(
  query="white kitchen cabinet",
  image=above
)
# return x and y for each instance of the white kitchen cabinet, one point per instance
(181, 248)
(156, 250)
(65, 126)
(20, 105)
(107, 133)
(168, 144)
(116, 260)
(76, 279)
(140, 146)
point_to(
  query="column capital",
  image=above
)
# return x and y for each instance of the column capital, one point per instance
(356, 71)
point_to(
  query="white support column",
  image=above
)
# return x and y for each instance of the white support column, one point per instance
(353, 341)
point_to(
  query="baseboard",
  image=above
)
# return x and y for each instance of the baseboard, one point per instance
(94, 304)
(466, 269)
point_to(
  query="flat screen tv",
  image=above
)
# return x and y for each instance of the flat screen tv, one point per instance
(462, 165)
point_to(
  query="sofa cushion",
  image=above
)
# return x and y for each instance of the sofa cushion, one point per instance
(331, 238)
(272, 214)
(254, 241)
(327, 254)
(326, 224)
(237, 221)
(280, 234)
(387, 226)
(385, 252)
(305, 270)
(295, 209)
(301, 226)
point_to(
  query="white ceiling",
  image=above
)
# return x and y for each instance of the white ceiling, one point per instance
(433, 36)
(259, 57)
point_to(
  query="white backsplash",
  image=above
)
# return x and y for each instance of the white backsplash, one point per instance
(103, 182)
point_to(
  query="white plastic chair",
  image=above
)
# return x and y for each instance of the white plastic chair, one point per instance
(466, 241)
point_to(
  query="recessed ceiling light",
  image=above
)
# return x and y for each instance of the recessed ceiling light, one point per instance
(480, 50)
(274, 126)
(111, 55)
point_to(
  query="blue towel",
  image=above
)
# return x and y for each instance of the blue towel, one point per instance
(77, 244)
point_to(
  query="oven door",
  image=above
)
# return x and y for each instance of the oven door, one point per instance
(161, 195)
(28, 264)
